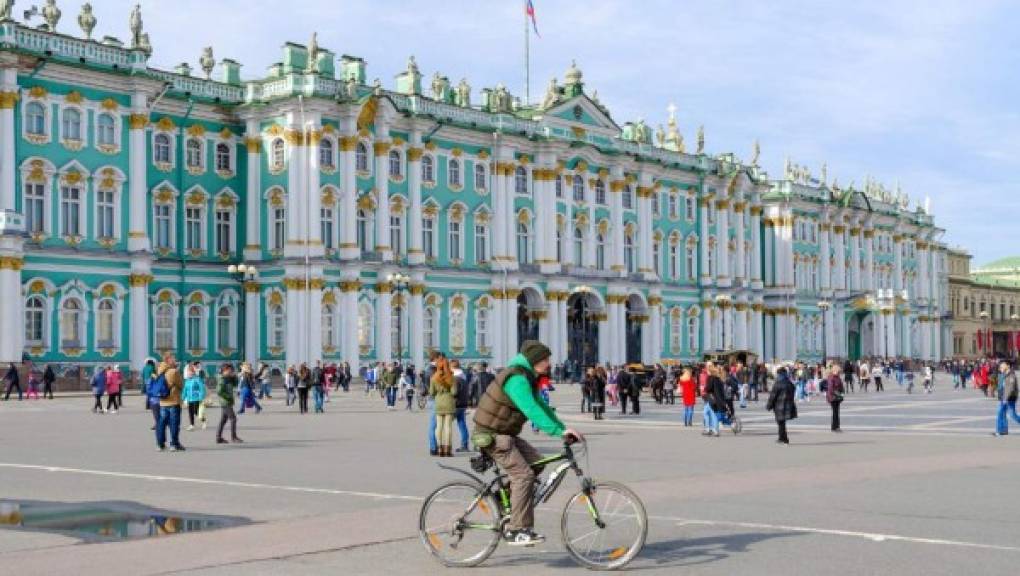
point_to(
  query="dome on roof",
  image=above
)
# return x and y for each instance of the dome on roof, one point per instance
(574, 74)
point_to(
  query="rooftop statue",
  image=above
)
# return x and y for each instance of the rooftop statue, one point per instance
(701, 139)
(6, 8)
(135, 22)
(756, 153)
(377, 87)
(313, 53)
(207, 62)
(86, 20)
(412, 66)
(552, 95)
(51, 14)
(660, 136)
(463, 93)
(641, 133)
(351, 86)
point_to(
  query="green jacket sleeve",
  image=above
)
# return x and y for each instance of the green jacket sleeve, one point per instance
(519, 391)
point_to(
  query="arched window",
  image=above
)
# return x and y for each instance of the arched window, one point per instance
(33, 202)
(673, 213)
(692, 334)
(277, 326)
(35, 321)
(277, 156)
(480, 176)
(71, 316)
(105, 209)
(600, 192)
(326, 226)
(628, 251)
(481, 242)
(521, 181)
(657, 257)
(559, 243)
(326, 156)
(481, 328)
(674, 261)
(224, 328)
(578, 246)
(428, 237)
(36, 119)
(165, 327)
(279, 227)
(361, 157)
(72, 125)
(161, 149)
(195, 340)
(194, 153)
(70, 210)
(224, 230)
(428, 169)
(600, 251)
(430, 337)
(689, 208)
(223, 157)
(366, 332)
(329, 326)
(579, 188)
(454, 239)
(364, 234)
(523, 243)
(396, 170)
(675, 332)
(105, 324)
(105, 130)
(397, 233)
(458, 328)
(628, 197)
(454, 173)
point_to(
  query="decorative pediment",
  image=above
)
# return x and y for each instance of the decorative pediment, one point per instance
(583, 114)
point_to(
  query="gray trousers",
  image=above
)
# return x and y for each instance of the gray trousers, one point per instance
(514, 456)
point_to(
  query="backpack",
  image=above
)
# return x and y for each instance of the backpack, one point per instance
(158, 387)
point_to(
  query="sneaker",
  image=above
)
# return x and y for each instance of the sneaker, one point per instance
(237, 440)
(160, 448)
(190, 428)
(524, 537)
(463, 449)
(114, 411)
(221, 441)
(177, 448)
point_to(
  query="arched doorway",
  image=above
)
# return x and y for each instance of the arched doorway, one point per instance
(860, 338)
(637, 315)
(582, 331)
(529, 308)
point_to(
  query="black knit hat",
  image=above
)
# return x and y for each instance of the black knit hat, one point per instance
(534, 351)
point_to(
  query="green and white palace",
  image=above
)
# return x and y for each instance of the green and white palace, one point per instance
(127, 191)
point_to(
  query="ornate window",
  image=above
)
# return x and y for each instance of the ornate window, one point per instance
(194, 218)
(628, 197)
(481, 328)
(521, 181)
(361, 158)
(72, 324)
(656, 204)
(657, 256)
(277, 155)
(163, 226)
(224, 230)
(711, 256)
(364, 222)
(428, 237)
(600, 251)
(195, 327)
(458, 328)
(454, 240)
(578, 188)
(277, 327)
(105, 210)
(397, 233)
(327, 154)
(428, 169)
(224, 328)
(559, 186)
(366, 331)
(692, 333)
(106, 131)
(523, 243)
(223, 160)
(279, 230)
(480, 184)
(165, 327)
(673, 210)
(689, 212)
(326, 226)
(105, 324)
(429, 319)
(161, 149)
(578, 247)
(396, 168)
(559, 242)
(35, 321)
(675, 331)
(481, 242)
(329, 340)
(453, 167)
(33, 202)
(35, 119)
(70, 210)
(628, 251)
(71, 125)
(194, 154)
(600, 192)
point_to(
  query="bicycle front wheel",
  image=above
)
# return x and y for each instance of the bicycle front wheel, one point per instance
(606, 529)
(459, 524)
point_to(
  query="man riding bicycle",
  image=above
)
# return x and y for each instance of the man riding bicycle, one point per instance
(506, 404)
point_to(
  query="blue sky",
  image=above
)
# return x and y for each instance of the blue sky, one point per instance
(924, 93)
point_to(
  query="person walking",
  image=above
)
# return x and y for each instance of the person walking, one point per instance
(113, 389)
(225, 385)
(443, 387)
(33, 383)
(290, 385)
(782, 403)
(247, 383)
(864, 372)
(391, 381)
(462, 396)
(407, 386)
(194, 394)
(98, 384)
(834, 395)
(304, 382)
(597, 386)
(13, 381)
(265, 381)
(688, 396)
(318, 383)
(170, 405)
(146, 377)
(876, 375)
(1007, 393)
(48, 378)
(715, 399)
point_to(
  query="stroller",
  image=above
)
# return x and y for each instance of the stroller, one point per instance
(729, 418)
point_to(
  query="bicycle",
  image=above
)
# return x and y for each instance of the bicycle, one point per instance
(603, 525)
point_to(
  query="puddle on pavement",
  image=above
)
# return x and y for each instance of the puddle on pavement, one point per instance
(104, 521)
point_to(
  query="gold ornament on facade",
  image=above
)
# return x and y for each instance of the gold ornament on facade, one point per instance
(350, 285)
(414, 154)
(8, 100)
(274, 130)
(11, 263)
(316, 284)
(225, 201)
(253, 145)
(523, 217)
(654, 300)
(416, 289)
(74, 97)
(37, 92)
(138, 121)
(165, 124)
(366, 202)
(381, 148)
(196, 198)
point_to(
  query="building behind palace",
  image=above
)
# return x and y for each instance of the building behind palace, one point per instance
(126, 192)
(985, 307)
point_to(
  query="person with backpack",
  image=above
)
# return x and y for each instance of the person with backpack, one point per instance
(147, 375)
(247, 381)
(317, 386)
(225, 385)
(98, 384)
(462, 400)
(407, 385)
(194, 393)
(49, 377)
(169, 384)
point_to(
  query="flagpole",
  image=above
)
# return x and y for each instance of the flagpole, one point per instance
(527, 63)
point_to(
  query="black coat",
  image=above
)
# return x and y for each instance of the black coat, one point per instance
(781, 400)
(716, 390)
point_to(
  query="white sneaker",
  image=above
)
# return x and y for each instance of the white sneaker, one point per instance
(190, 427)
(114, 411)
(203, 424)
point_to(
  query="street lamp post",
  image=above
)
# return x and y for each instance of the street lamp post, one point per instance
(984, 322)
(243, 273)
(722, 302)
(824, 306)
(398, 282)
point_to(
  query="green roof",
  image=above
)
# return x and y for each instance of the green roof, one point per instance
(1008, 263)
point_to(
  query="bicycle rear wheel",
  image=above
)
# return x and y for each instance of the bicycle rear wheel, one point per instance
(459, 524)
(620, 537)
(737, 426)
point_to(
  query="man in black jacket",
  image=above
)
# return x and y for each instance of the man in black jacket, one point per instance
(623, 383)
(781, 402)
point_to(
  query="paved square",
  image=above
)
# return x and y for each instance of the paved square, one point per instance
(915, 485)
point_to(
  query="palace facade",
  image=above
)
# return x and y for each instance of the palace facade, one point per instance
(127, 191)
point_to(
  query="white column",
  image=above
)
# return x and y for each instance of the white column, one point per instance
(253, 191)
(605, 354)
(869, 259)
(561, 313)
(296, 197)
(349, 286)
(12, 345)
(707, 323)
(416, 341)
(415, 255)
(855, 259)
(757, 330)
(722, 241)
(738, 226)
(552, 326)
(907, 343)
(296, 324)
(382, 191)
(543, 176)
(8, 168)
(138, 312)
(740, 327)
(383, 312)
(840, 257)
(252, 314)
(770, 253)
(138, 236)
(826, 254)
(313, 316)
(349, 192)
(703, 234)
(756, 247)
(616, 187)
(510, 322)
(502, 221)
(313, 198)
(647, 340)
(890, 333)
(898, 270)
(645, 226)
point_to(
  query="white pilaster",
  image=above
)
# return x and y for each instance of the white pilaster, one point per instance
(252, 333)
(381, 148)
(415, 255)
(253, 191)
(418, 317)
(349, 194)
(722, 243)
(616, 187)
(138, 311)
(383, 313)
(826, 255)
(739, 273)
(756, 248)
(705, 279)
(138, 236)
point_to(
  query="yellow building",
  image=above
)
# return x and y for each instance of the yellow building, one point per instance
(986, 299)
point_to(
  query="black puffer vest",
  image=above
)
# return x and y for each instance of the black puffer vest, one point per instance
(496, 412)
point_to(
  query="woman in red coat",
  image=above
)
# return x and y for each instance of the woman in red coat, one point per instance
(687, 390)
